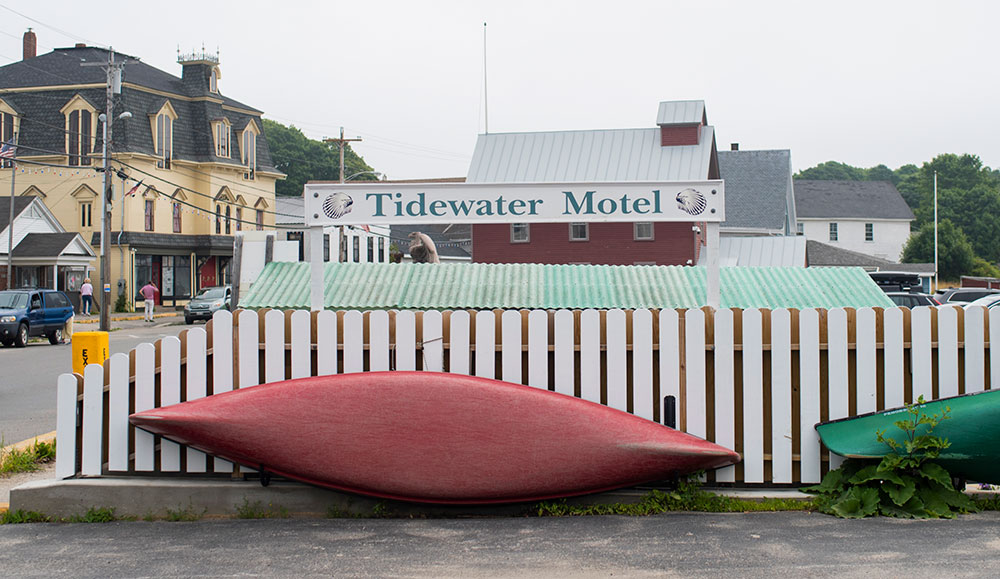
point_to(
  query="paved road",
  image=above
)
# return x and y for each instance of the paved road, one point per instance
(28, 375)
(674, 545)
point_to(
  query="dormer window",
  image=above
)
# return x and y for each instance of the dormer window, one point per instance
(213, 80)
(163, 135)
(81, 131)
(248, 150)
(222, 141)
(7, 128)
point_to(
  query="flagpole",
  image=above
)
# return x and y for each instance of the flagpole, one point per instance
(936, 281)
(10, 221)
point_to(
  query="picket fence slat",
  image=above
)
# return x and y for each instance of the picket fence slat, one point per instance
(406, 341)
(485, 345)
(222, 366)
(354, 342)
(894, 371)
(538, 349)
(301, 338)
(617, 367)
(432, 342)
(170, 393)
(670, 361)
(118, 402)
(838, 381)
(326, 343)
(810, 463)
(510, 346)
(590, 355)
(458, 353)
(642, 364)
(947, 352)
(378, 350)
(866, 369)
(694, 383)
(145, 360)
(93, 419)
(920, 352)
(249, 349)
(197, 382)
(564, 352)
(274, 346)
(781, 396)
(66, 392)
(725, 392)
(975, 349)
(753, 396)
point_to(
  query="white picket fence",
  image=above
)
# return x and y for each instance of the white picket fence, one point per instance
(754, 381)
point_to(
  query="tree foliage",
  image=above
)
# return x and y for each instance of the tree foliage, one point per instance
(303, 159)
(955, 254)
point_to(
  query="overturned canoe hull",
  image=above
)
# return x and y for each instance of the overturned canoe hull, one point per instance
(972, 429)
(433, 437)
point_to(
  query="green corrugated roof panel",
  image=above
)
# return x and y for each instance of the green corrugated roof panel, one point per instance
(367, 286)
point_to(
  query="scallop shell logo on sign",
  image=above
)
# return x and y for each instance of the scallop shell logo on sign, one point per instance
(337, 205)
(691, 202)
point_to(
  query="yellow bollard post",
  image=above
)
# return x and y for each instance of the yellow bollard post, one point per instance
(89, 348)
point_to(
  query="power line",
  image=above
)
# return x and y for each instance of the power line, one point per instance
(50, 27)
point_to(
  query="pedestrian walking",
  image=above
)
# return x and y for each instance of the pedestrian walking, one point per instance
(149, 292)
(67, 331)
(86, 296)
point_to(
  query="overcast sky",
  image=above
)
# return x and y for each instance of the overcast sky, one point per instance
(858, 82)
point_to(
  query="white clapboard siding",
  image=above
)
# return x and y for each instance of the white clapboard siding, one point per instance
(670, 361)
(197, 382)
(753, 396)
(93, 419)
(694, 383)
(781, 396)
(920, 352)
(66, 392)
(538, 349)
(809, 396)
(378, 349)
(838, 384)
(725, 393)
(975, 349)
(460, 338)
(118, 403)
(406, 341)
(354, 342)
(510, 346)
(894, 360)
(222, 365)
(249, 349)
(170, 393)
(485, 345)
(326, 343)
(301, 366)
(145, 361)
(642, 364)
(590, 355)
(565, 351)
(617, 360)
(432, 342)
(866, 369)
(947, 352)
(274, 346)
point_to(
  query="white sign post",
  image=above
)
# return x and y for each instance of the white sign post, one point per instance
(338, 204)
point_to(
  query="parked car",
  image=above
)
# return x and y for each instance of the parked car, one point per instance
(207, 302)
(912, 300)
(32, 312)
(989, 301)
(963, 294)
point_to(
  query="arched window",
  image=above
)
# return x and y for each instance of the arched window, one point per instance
(218, 218)
(228, 213)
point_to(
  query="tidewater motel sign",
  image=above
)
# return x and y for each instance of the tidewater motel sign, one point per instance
(386, 203)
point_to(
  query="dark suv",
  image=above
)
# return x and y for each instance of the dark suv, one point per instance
(32, 312)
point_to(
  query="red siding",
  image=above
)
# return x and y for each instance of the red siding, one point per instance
(673, 135)
(609, 244)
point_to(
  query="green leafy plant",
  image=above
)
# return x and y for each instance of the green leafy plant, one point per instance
(94, 515)
(185, 514)
(19, 516)
(27, 459)
(256, 510)
(905, 483)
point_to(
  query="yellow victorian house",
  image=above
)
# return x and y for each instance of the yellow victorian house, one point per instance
(191, 167)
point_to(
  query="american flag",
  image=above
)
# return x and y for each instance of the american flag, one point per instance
(132, 191)
(8, 149)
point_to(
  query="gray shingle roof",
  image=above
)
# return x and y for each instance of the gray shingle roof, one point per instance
(20, 204)
(41, 128)
(757, 188)
(849, 199)
(44, 244)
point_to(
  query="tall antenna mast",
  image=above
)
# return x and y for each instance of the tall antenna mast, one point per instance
(486, 94)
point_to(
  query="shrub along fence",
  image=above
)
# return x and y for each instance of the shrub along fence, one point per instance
(756, 381)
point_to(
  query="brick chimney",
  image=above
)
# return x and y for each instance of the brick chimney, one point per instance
(30, 45)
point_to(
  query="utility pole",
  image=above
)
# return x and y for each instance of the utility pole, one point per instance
(10, 222)
(340, 144)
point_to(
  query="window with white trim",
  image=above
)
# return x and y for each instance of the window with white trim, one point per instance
(249, 152)
(869, 232)
(213, 81)
(86, 215)
(579, 231)
(643, 231)
(222, 142)
(79, 136)
(7, 130)
(520, 233)
(164, 140)
(833, 232)
(177, 217)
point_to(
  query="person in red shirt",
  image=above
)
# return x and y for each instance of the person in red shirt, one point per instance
(149, 292)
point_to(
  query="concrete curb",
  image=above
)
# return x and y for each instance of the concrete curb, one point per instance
(48, 437)
(126, 318)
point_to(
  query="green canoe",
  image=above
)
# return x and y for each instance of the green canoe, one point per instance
(973, 429)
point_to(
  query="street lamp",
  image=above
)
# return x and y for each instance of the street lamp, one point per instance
(376, 173)
(106, 222)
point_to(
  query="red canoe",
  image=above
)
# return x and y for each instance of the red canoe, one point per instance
(433, 437)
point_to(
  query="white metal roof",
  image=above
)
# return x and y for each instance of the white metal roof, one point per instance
(776, 251)
(680, 112)
(595, 156)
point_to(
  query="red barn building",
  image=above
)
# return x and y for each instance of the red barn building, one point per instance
(680, 148)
